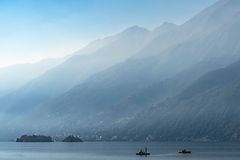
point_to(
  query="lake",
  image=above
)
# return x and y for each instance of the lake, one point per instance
(117, 151)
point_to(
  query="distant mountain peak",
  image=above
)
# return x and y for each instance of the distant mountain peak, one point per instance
(215, 15)
(230, 2)
(168, 24)
(135, 28)
(165, 27)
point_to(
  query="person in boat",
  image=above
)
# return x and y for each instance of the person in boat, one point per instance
(143, 153)
(184, 151)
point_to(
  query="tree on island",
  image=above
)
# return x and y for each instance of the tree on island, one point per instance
(72, 138)
(34, 138)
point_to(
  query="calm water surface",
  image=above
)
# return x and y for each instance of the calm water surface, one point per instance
(117, 151)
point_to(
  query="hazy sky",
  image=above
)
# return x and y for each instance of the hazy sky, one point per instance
(31, 30)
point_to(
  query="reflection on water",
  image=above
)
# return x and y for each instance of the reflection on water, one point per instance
(117, 151)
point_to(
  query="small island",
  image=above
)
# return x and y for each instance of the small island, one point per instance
(34, 138)
(72, 139)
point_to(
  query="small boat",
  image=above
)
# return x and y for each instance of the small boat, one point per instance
(143, 153)
(184, 151)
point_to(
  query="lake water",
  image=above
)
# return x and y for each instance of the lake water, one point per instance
(117, 151)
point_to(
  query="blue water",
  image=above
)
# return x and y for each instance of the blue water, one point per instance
(117, 151)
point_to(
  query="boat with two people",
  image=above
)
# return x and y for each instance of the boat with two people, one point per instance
(143, 152)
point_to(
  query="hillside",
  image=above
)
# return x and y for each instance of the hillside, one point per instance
(207, 110)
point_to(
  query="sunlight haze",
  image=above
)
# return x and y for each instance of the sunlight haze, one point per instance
(33, 30)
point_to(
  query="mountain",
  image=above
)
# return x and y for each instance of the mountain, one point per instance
(206, 110)
(108, 100)
(76, 69)
(13, 77)
(200, 26)
(96, 57)
(111, 99)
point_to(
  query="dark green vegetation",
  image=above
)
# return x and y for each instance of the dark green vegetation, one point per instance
(72, 139)
(34, 138)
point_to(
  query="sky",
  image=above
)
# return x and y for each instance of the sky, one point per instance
(32, 30)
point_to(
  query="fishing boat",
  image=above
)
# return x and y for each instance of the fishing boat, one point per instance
(184, 151)
(143, 153)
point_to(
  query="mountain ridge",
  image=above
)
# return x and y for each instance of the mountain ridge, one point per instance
(161, 80)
